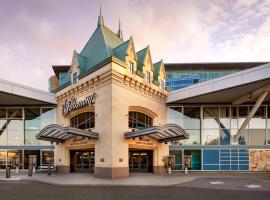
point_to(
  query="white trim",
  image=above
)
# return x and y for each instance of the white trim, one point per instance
(25, 91)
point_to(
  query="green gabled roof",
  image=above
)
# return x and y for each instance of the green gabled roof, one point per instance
(99, 47)
(81, 60)
(121, 50)
(157, 67)
(141, 55)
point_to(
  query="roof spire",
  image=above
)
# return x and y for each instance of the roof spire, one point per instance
(100, 18)
(120, 33)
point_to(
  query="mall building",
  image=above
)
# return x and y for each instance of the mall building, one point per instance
(113, 111)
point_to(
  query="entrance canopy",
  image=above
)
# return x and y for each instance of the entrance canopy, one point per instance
(166, 133)
(59, 134)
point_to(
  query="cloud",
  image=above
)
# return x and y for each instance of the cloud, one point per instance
(37, 34)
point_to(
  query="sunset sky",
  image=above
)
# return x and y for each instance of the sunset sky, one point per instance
(36, 34)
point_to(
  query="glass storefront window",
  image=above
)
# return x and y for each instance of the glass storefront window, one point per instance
(14, 158)
(47, 157)
(257, 137)
(211, 123)
(210, 112)
(258, 120)
(14, 113)
(225, 137)
(240, 138)
(32, 118)
(3, 159)
(31, 125)
(31, 156)
(225, 112)
(178, 165)
(210, 137)
(47, 117)
(175, 115)
(194, 138)
(15, 126)
(192, 118)
(15, 132)
(3, 114)
(242, 113)
(3, 127)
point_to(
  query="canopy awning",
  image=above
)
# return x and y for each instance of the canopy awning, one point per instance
(166, 133)
(59, 134)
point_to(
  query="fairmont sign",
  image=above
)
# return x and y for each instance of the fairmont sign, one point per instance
(72, 104)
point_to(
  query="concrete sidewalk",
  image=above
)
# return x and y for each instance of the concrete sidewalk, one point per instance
(147, 179)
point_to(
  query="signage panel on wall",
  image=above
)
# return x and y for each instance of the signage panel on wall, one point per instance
(72, 104)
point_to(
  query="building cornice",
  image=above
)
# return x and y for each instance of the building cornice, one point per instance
(113, 76)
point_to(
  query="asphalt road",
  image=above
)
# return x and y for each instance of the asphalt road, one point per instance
(14, 190)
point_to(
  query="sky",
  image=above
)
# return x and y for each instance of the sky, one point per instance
(36, 34)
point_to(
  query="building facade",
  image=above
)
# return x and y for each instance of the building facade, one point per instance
(180, 75)
(111, 109)
(110, 113)
(228, 120)
(24, 111)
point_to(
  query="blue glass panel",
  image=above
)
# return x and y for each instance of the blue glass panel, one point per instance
(243, 158)
(234, 151)
(234, 158)
(234, 167)
(225, 158)
(225, 151)
(211, 167)
(225, 154)
(243, 151)
(225, 167)
(245, 162)
(233, 162)
(225, 162)
(243, 167)
(211, 156)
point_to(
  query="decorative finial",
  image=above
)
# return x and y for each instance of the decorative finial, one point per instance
(100, 18)
(120, 33)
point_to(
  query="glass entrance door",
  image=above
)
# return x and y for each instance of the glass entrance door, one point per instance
(140, 161)
(82, 161)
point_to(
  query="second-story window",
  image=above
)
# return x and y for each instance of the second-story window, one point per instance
(75, 78)
(148, 79)
(131, 67)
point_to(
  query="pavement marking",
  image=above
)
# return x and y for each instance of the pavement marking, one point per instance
(252, 186)
(216, 182)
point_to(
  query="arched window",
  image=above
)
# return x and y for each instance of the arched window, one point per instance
(139, 120)
(83, 120)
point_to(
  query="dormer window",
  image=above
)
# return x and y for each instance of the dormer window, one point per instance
(131, 67)
(148, 79)
(75, 77)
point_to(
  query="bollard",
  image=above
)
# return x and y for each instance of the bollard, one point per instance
(30, 171)
(186, 170)
(169, 170)
(34, 170)
(7, 172)
(49, 170)
(17, 169)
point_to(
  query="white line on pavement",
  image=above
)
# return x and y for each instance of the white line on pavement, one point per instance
(252, 186)
(216, 182)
